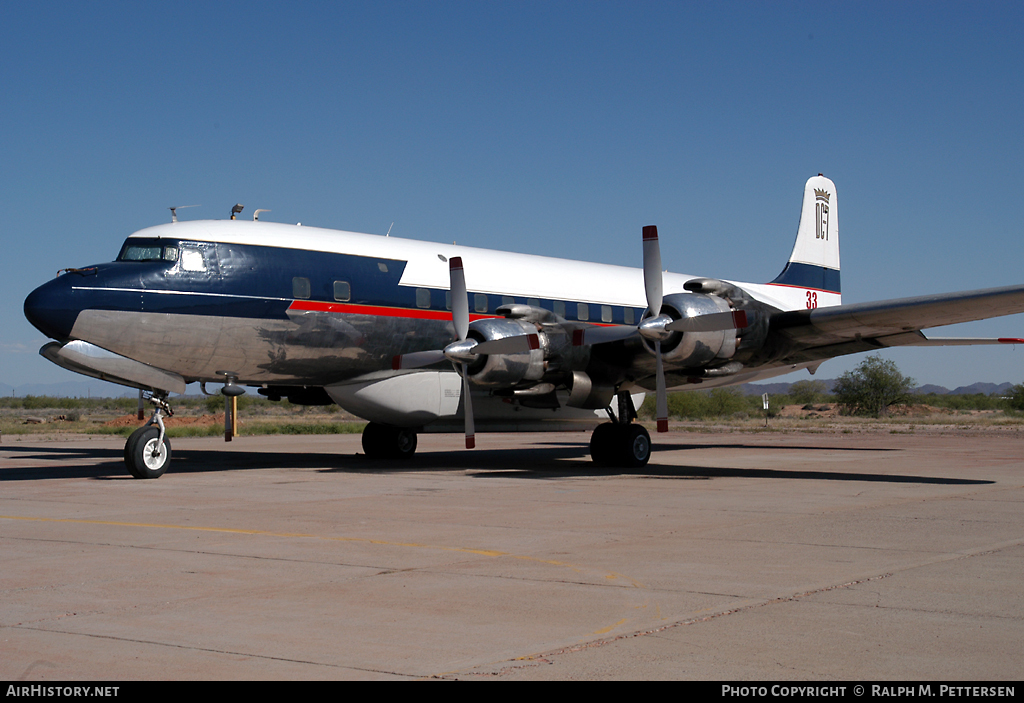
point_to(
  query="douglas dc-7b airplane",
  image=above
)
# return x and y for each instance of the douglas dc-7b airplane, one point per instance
(424, 337)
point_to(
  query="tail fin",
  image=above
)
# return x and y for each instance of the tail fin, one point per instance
(814, 263)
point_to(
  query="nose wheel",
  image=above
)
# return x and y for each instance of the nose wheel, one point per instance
(147, 453)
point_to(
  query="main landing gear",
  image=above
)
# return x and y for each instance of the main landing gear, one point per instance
(621, 442)
(147, 453)
(387, 442)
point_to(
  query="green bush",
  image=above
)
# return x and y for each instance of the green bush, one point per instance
(1016, 397)
(702, 405)
(872, 388)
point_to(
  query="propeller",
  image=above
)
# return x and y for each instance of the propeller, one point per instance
(460, 318)
(466, 350)
(653, 287)
(659, 327)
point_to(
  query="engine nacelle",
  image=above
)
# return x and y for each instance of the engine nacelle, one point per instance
(506, 370)
(694, 349)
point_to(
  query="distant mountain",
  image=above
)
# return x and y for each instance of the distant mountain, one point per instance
(986, 388)
(778, 388)
(74, 389)
(931, 388)
(983, 388)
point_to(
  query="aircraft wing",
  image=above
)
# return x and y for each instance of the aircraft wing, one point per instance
(845, 329)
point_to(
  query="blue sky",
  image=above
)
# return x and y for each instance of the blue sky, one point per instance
(556, 128)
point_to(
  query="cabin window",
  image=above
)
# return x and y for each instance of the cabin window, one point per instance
(606, 313)
(192, 260)
(582, 311)
(507, 300)
(342, 291)
(422, 298)
(480, 302)
(170, 253)
(300, 287)
(533, 302)
(447, 300)
(383, 267)
(559, 308)
(628, 316)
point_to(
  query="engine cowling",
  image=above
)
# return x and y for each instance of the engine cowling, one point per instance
(694, 349)
(506, 370)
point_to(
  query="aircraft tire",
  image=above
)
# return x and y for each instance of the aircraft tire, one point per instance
(139, 456)
(128, 448)
(602, 444)
(386, 442)
(635, 446)
(620, 445)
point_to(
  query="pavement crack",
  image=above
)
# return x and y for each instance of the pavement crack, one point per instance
(227, 652)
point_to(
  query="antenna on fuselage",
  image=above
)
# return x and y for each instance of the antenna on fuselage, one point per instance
(389, 230)
(256, 215)
(236, 210)
(174, 215)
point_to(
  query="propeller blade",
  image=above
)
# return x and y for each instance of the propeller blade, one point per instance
(467, 409)
(652, 269)
(460, 299)
(416, 360)
(509, 345)
(662, 394)
(712, 322)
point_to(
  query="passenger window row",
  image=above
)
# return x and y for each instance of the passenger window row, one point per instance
(302, 290)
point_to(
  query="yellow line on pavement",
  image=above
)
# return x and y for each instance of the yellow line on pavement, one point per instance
(303, 535)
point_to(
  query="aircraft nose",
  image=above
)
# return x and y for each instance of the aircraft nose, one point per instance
(50, 308)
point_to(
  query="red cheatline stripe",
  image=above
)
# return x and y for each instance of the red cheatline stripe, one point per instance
(1010, 340)
(384, 311)
(378, 310)
(820, 290)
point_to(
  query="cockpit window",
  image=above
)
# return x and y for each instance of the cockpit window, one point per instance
(148, 251)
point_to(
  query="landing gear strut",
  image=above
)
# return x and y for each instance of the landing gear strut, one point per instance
(147, 453)
(387, 442)
(621, 442)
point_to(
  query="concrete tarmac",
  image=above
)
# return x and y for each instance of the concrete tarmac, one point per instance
(730, 557)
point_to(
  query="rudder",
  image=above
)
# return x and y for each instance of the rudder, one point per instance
(814, 263)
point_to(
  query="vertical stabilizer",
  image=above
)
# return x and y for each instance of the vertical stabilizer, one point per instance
(814, 263)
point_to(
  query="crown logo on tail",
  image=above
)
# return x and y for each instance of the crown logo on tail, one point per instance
(820, 194)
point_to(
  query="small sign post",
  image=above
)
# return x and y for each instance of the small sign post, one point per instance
(764, 400)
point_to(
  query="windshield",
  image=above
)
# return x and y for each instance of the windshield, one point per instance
(148, 250)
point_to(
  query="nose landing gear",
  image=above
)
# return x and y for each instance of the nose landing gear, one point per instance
(147, 453)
